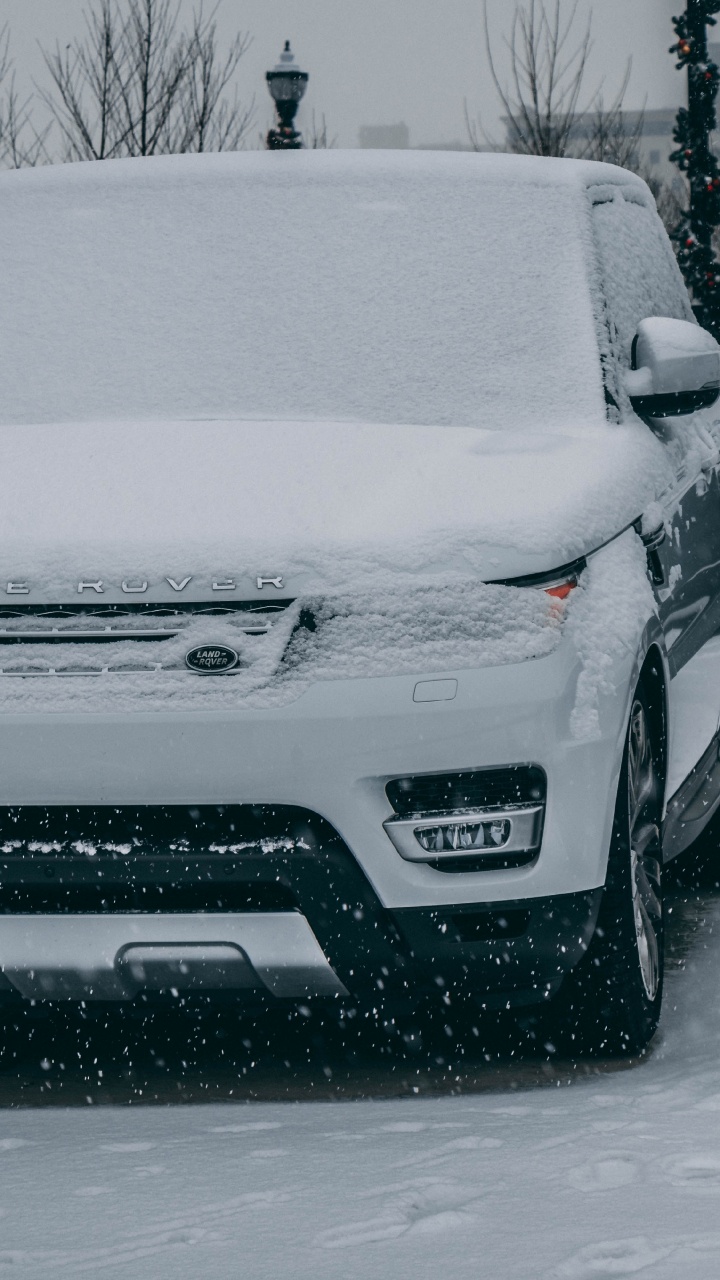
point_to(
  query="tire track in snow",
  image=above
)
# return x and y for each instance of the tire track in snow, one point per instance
(423, 1207)
(200, 1225)
(685, 1257)
(446, 1151)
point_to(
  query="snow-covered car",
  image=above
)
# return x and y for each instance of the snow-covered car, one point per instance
(359, 582)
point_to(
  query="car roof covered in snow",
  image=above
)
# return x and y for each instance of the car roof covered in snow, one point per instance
(307, 166)
(412, 287)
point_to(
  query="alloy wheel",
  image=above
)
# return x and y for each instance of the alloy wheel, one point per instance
(643, 814)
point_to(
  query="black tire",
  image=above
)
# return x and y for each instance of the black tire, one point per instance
(611, 1003)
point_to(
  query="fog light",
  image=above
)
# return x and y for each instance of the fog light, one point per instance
(471, 833)
(463, 836)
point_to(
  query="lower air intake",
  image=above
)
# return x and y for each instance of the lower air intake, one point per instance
(469, 821)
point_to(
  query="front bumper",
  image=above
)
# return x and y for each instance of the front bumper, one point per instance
(333, 751)
(371, 920)
(115, 957)
(290, 923)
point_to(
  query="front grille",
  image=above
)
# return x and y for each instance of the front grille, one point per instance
(102, 639)
(472, 789)
(143, 899)
(126, 833)
(150, 859)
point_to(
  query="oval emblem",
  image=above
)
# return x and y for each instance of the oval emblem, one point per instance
(211, 659)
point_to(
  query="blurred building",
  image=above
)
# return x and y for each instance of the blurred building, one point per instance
(389, 137)
(642, 140)
(650, 132)
(455, 145)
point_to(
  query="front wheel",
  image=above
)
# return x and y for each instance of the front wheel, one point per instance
(613, 999)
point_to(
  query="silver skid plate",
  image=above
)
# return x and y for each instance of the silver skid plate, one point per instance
(113, 957)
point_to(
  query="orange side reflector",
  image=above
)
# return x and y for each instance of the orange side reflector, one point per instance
(562, 591)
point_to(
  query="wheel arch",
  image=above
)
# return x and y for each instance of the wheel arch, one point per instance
(653, 675)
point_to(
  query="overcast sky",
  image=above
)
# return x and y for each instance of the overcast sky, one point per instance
(383, 61)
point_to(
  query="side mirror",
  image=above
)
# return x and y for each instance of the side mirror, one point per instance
(675, 368)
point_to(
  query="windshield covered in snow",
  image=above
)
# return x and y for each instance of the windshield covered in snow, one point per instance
(332, 287)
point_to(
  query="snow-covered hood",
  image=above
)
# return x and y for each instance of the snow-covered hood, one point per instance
(218, 506)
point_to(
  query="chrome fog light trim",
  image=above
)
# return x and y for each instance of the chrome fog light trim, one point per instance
(470, 833)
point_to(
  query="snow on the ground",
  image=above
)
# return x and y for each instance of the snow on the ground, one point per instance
(616, 1175)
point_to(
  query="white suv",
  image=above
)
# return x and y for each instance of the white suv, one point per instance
(360, 569)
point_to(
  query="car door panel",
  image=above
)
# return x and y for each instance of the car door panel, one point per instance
(689, 610)
(640, 278)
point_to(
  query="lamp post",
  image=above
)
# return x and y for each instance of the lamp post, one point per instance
(287, 85)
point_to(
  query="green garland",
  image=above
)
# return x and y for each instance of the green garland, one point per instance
(695, 159)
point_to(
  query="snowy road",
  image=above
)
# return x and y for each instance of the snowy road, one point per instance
(536, 1170)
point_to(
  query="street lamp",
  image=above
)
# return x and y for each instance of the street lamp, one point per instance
(287, 84)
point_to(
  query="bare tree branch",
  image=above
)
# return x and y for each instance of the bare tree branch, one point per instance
(609, 134)
(137, 83)
(209, 121)
(20, 142)
(317, 135)
(548, 65)
(87, 77)
(155, 57)
(6, 68)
